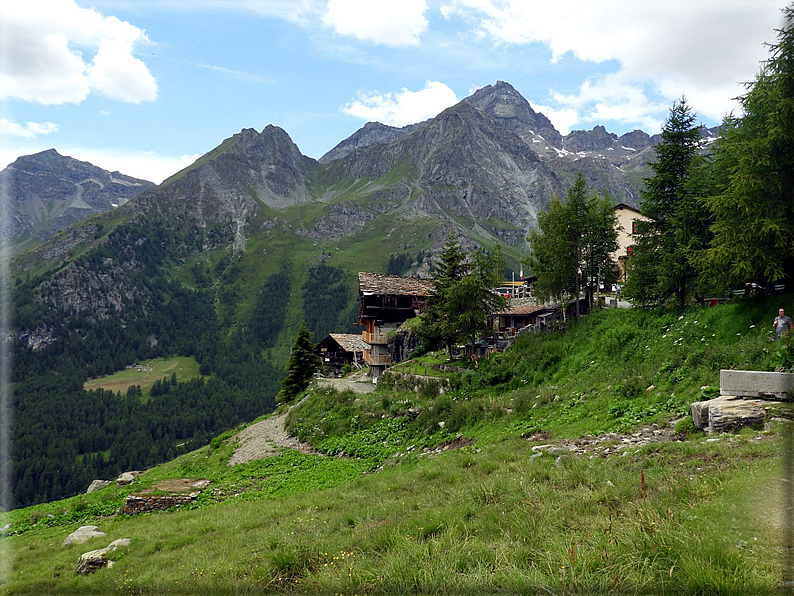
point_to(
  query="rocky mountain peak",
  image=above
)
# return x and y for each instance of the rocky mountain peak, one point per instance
(370, 134)
(48, 191)
(597, 139)
(508, 108)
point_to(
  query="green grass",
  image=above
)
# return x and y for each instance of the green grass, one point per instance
(185, 368)
(381, 510)
(471, 521)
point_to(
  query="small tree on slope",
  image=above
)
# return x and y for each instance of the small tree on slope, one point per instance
(302, 363)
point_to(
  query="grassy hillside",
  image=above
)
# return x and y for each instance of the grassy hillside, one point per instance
(426, 493)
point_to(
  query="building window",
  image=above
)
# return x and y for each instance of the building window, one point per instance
(634, 227)
(629, 250)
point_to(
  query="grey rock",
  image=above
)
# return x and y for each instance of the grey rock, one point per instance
(127, 478)
(96, 559)
(726, 413)
(82, 534)
(48, 192)
(97, 484)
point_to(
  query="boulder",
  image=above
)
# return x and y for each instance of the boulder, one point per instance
(82, 534)
(96, 559)
(727, 412)
(97, 484)
(127, 478)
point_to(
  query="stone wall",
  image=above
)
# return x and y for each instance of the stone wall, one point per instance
(135, 504)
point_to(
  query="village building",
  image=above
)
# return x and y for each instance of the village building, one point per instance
(387, 301)
(340, 349)
(524, 315)
(627, 218)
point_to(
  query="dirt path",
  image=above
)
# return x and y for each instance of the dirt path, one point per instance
(356, 382)
(265, 439)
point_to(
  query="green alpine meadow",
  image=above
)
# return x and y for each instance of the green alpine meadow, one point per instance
(469, 355)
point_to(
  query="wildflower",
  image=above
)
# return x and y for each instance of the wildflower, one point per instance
(752, 326)
(681, 318)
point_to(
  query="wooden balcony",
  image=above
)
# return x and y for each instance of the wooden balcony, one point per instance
(377, 359)
(374, 338)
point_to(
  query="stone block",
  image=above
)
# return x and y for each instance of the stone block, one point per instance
(751, 383)
(727, 413)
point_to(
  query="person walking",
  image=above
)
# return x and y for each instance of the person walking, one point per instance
(782, 323)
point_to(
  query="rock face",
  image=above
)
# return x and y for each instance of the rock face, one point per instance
(401, 344)
(509, 110)
(48, 192)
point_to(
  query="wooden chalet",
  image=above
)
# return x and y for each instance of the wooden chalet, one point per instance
(523, 313)
(387, 301)
(339, 349)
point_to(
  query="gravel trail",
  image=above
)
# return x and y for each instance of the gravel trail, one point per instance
(265, 439)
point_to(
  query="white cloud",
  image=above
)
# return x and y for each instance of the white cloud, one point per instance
(402, 107)
(29, 130)
(55, 52)
(663, 48)
(296, 11)
(389, 22)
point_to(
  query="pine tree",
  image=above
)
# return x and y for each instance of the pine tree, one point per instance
(463, 296)
(754, 208)
(661, 263)
(303, 362)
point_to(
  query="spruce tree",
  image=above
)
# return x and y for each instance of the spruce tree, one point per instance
(661, 264)
(303, 362)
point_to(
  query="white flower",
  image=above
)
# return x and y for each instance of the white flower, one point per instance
(681, 318)
(752, 326)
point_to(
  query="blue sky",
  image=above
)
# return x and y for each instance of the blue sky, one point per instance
(146, 86)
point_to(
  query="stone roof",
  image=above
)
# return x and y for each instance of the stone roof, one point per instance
(519, 306)
(351, 342)
(393, 285)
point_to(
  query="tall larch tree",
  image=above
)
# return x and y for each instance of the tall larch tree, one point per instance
(753, 210)
(573, 245)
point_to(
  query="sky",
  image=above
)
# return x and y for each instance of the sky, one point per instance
(145, 87)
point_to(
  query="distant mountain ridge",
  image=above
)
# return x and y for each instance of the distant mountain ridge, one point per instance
(48, 192)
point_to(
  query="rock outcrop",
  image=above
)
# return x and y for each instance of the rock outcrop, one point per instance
(97, 485)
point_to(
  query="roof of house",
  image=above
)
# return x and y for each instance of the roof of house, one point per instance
(350, 342)
(629, 207)
(525, 307)
(393, 285)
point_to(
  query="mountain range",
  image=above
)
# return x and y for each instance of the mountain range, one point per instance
(481, 169)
